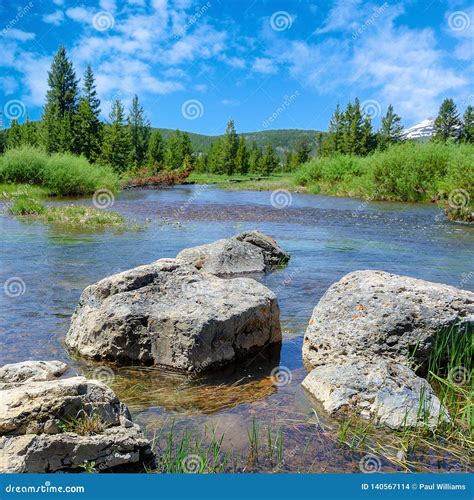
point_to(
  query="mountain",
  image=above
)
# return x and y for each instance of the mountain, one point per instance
(420, 131)
(282, 140)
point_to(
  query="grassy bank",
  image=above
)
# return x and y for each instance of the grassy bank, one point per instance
(57, 175)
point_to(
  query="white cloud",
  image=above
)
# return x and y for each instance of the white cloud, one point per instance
(15, 34)
(8, 84)
(264, 65)
(80, 14)
(55, 18)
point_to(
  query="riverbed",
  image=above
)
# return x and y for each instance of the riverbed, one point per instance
(327, 237)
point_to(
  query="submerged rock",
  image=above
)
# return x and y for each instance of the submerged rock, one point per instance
(367, 332)
(249, 252)
(375, 314)
(384, 392)
(59, 425)
(170, 314)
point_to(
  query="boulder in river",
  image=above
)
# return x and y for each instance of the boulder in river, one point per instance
(244, 253)
(367, 333)
(384, 392)
(60, 425)
(374, 315)
(170, 314)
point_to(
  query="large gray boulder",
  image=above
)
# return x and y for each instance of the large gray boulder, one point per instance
(59, 425)
(384, 392)
(367, 333)
(170, 314)
(249, 252)
(375, 314)
(31, 371)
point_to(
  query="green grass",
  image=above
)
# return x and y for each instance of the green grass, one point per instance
(410, 172)
(12, 191)
(83, 424)
(74, 215)
(59, 174)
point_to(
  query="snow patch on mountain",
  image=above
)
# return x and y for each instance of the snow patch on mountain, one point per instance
(421, 130)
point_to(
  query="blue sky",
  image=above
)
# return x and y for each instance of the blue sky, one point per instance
(266, 63)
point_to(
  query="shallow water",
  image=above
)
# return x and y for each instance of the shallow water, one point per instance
(326, 237)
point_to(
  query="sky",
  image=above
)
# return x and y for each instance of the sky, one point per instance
(268, 64)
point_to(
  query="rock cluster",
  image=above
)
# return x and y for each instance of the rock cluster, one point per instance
(50, 424)
(367, 333)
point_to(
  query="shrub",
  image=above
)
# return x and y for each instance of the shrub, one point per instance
(27, 206)
(62, 174)
(23, 165)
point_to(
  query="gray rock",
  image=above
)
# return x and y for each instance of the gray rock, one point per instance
(249, 252)
(374, 314)
(31, 371)
(384, 392)
(40, 431)
(170, 314)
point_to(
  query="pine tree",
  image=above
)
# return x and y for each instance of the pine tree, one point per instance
(367, 138)
(139, 131)
(254, 158)
(156, 151)
(334, 141)
(242, 158)
(116, 145)
(14, 139)
(302, 151)
(391, 129)
(29, 133)
(447, 124)
(60, 110)
(268, 162)
(88, 124)
(467, 131)
(352, 129)
(229, 148)
(179, 151)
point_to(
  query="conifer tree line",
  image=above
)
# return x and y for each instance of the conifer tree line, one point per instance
(351, 132)
(70, 123)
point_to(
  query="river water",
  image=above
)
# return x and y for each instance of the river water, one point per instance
(327, 237)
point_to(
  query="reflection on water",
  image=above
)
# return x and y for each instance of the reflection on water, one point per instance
(326, 237)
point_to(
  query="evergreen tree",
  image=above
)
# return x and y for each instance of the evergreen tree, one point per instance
(254, 158)
(156, 150)
(14, 139)
(242, 158)
(116, 145)
(391, 129)
(367, 138)
(88, 124)
(302, 151)
(229, 148)
(268, 162)
(352, 129)
(288, 165)
(214, 157)
(467, 131)
(139, 131)
(447, 124)
(29, 133)
(60, 110)
(334, 141)
(178, 151)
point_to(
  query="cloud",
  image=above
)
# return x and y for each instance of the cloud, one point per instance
(15, 34)
(264, 65)
(341, 16)
(55, 18)
(80, 14)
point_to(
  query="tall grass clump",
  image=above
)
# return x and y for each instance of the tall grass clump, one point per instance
(408, 171)
(63, 174)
